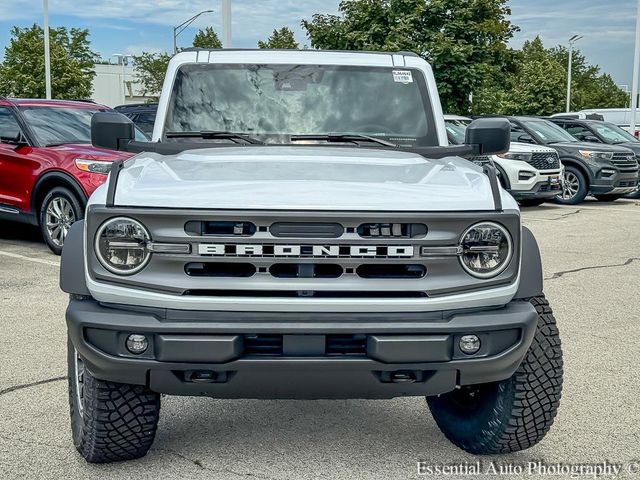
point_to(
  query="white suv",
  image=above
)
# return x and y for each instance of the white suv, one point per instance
(300, 228)
(531, 173)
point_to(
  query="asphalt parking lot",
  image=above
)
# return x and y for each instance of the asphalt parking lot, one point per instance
(591, 256)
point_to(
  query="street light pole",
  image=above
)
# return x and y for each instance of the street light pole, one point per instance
(47, 54)
(572, 40)
(177, 30)
(226, 23)
(636, 69)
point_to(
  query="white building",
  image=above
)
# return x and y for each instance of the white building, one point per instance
(115, 84)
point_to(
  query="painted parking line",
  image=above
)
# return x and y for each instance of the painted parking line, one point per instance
(53, 263)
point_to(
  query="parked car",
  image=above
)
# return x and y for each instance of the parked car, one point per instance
(594, 131)
(532, 174)
(608, 172)
(356, 255)
(618, 116)
(142, 114)
(48, 168)
(579, 116)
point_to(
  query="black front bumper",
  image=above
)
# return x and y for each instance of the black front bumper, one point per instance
(620, 184)
(291, 355)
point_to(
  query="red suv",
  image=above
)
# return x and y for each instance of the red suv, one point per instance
(48, 167)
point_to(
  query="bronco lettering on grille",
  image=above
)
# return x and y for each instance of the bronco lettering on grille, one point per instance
(257, 250)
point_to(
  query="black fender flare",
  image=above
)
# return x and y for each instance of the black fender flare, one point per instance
(72, 280)
(531, 278)
(504, 178)
(62, 177)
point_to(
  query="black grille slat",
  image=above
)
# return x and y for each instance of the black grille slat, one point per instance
(236, 228)
(391, 271)
(306, 270)
(392, 230)
(541, 161)
(220, 269)
(306, 230)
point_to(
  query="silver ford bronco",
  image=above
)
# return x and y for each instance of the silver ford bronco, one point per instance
(299, 227)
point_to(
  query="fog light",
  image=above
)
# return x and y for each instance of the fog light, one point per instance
(469, 344)
(525, 175)
(137, 344)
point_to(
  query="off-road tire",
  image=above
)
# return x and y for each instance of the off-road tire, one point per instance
(608, 197)
(582, 190)
(513, 414)
(76, 208)
(531, 202)
(116, 422)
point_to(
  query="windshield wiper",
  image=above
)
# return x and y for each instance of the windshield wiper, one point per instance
(68, 142)
(215, 135)
(343, 137)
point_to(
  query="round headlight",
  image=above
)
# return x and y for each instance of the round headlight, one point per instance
(486, 249)
(122, 245)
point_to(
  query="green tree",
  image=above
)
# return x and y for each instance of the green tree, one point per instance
(283, 39)
(151, 69)
(72, 60)
(463, 41)
(589, 87)
(538, 86)
(535, 84)
(207, 38)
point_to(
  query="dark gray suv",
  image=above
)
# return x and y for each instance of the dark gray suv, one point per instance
(607, 172)
(597, 131)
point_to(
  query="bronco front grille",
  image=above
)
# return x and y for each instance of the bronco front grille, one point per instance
(239, 254)
(545, 161)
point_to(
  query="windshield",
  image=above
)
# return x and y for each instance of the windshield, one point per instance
(548, 132)
(613, 134)
(456, 131)
(273, 102)
(53, 125)
(60, 125)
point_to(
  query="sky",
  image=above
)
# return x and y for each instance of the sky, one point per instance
(133, 26)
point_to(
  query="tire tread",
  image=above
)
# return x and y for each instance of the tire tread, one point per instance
(527, 402)
(119, 421)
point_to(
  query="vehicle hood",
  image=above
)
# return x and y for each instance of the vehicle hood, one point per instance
(89, 152)
(635, 147)
(572, 147)
(303, 178)
(519, 147)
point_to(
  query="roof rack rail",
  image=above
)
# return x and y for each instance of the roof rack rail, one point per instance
(370, 52)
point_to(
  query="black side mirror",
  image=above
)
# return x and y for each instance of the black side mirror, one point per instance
(525, 138)
(111, 130)
(16, 139)
(591, 139)
(489, 136)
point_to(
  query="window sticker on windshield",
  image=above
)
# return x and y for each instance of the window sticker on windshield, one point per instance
(402, 76)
